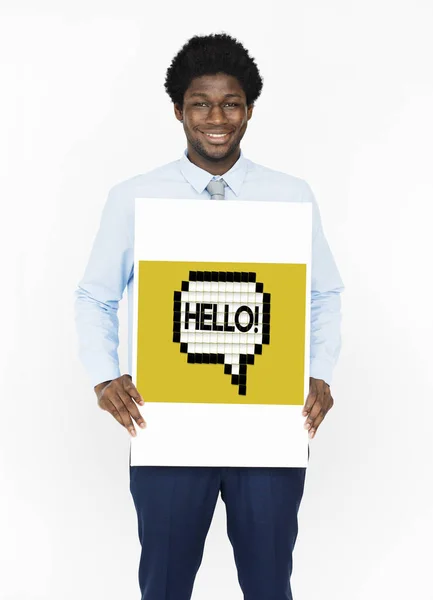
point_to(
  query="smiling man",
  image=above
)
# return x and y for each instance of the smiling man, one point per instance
(213, 84)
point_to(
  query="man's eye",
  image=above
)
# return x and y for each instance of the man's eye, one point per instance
(205, 104)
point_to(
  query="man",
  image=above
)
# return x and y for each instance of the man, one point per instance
(213, 83)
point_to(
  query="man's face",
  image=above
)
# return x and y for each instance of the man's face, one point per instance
(214, 104)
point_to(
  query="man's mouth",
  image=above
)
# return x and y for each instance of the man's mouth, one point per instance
(217, 137)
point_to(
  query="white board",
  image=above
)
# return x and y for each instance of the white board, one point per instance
(181, 433)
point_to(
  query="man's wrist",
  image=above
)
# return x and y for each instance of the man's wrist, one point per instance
(101, 385)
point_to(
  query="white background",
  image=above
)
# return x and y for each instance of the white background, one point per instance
(346, 105)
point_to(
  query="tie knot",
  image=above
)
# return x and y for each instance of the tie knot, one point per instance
(216, 190)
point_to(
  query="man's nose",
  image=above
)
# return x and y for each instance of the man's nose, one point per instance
(216, 115)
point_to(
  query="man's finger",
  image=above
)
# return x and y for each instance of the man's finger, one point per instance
(116, 415)
(309, 403)
(132, 408)
(125, 417)
(130, 389)
(317, 406)
(326, 405)
(317, 421)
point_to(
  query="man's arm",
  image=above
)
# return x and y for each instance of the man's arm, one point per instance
(325, 337)
(97, 297)
(326, 287)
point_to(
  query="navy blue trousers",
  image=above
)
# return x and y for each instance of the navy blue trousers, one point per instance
(175, 506)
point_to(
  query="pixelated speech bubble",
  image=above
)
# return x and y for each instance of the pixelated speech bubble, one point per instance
(222, 317)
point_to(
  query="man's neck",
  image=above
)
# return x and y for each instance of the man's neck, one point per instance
(215, 168)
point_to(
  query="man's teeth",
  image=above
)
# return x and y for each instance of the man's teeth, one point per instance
(217, 134)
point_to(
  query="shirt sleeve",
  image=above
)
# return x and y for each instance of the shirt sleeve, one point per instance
(97, 297)
(326, 287)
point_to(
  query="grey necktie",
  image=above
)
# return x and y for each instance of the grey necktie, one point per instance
(216, 189)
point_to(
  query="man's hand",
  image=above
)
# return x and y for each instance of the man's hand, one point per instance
(318, 402)
(117, 397)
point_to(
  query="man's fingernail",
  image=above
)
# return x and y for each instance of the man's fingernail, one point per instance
(133, 432)
(143, 424)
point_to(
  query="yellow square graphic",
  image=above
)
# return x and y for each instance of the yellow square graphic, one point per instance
(277, 373)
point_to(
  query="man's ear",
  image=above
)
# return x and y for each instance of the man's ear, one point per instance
(178, 112)
(250, 111)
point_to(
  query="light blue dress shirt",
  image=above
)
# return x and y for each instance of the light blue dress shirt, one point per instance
(111, 263)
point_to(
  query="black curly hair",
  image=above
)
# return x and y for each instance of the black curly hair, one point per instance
(208, 55)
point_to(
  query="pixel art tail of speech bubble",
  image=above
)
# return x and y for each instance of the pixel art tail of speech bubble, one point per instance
(222, 317)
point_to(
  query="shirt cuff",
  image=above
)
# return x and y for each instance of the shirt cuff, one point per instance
(104, 373)
(320, 369)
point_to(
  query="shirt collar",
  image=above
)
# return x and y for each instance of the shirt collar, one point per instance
(199, 178)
